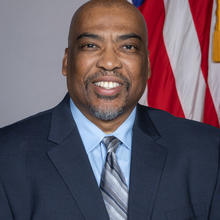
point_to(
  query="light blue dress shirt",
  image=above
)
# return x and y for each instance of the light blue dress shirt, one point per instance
(92, 136)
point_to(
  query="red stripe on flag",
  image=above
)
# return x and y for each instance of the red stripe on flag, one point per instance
(210, 115)
(202, 14)
(162, 91)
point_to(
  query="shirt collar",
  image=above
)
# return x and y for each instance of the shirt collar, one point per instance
(91, 135)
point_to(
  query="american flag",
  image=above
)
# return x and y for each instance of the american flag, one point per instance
(184, 79)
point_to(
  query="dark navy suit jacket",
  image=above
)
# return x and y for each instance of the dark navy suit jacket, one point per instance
(45, 173)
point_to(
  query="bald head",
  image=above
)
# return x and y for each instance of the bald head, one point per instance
(106, 61)
(87, 9)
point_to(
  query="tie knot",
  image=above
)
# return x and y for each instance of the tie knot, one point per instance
(111, 143)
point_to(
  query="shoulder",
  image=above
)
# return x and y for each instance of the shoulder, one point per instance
(181, 129)
(13, 136)
(185, 141)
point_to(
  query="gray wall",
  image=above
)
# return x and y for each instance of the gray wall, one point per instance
(33, 36)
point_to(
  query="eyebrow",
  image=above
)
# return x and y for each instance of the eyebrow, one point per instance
(128, 36)
(89, 35)
(98, 37)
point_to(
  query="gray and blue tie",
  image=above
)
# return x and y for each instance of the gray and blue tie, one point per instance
(113, 185)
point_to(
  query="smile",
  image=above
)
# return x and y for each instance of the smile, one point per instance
(107, 85)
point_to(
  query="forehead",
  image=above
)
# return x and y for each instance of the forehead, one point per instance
(108, 19)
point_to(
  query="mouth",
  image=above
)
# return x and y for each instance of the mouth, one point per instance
(107, 84)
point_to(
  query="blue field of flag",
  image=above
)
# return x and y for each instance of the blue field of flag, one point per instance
(137, 3)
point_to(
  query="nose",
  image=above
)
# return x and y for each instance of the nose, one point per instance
(109, 60)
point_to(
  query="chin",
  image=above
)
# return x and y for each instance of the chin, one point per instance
(108, 113)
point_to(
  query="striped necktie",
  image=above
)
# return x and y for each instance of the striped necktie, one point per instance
(113, 186)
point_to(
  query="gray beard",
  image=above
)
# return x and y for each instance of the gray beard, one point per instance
(106, 115)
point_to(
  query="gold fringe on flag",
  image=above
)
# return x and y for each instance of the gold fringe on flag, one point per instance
(216, 39)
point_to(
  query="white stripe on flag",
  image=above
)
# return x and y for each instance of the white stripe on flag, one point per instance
(143, 99)
(181, 42)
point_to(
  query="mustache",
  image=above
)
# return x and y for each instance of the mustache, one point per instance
(114, 73)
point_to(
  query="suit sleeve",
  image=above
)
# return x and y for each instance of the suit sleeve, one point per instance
(5, 211)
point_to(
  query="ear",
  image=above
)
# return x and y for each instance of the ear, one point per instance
(148, 68)
(64, 66)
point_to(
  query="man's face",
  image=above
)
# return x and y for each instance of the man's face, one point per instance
(106, 64)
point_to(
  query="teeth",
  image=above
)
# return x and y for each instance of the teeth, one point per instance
(107, 85)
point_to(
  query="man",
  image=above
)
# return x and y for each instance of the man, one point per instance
(100, 155)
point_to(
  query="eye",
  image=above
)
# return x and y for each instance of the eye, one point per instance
(130, 47)
(88, 46)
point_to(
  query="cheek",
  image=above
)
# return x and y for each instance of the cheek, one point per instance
(79, 65)
(137, 68)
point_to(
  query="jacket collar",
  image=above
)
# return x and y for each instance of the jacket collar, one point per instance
(62, 123)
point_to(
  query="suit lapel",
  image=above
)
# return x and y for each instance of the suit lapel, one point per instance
(147, 164)
(71, 161)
